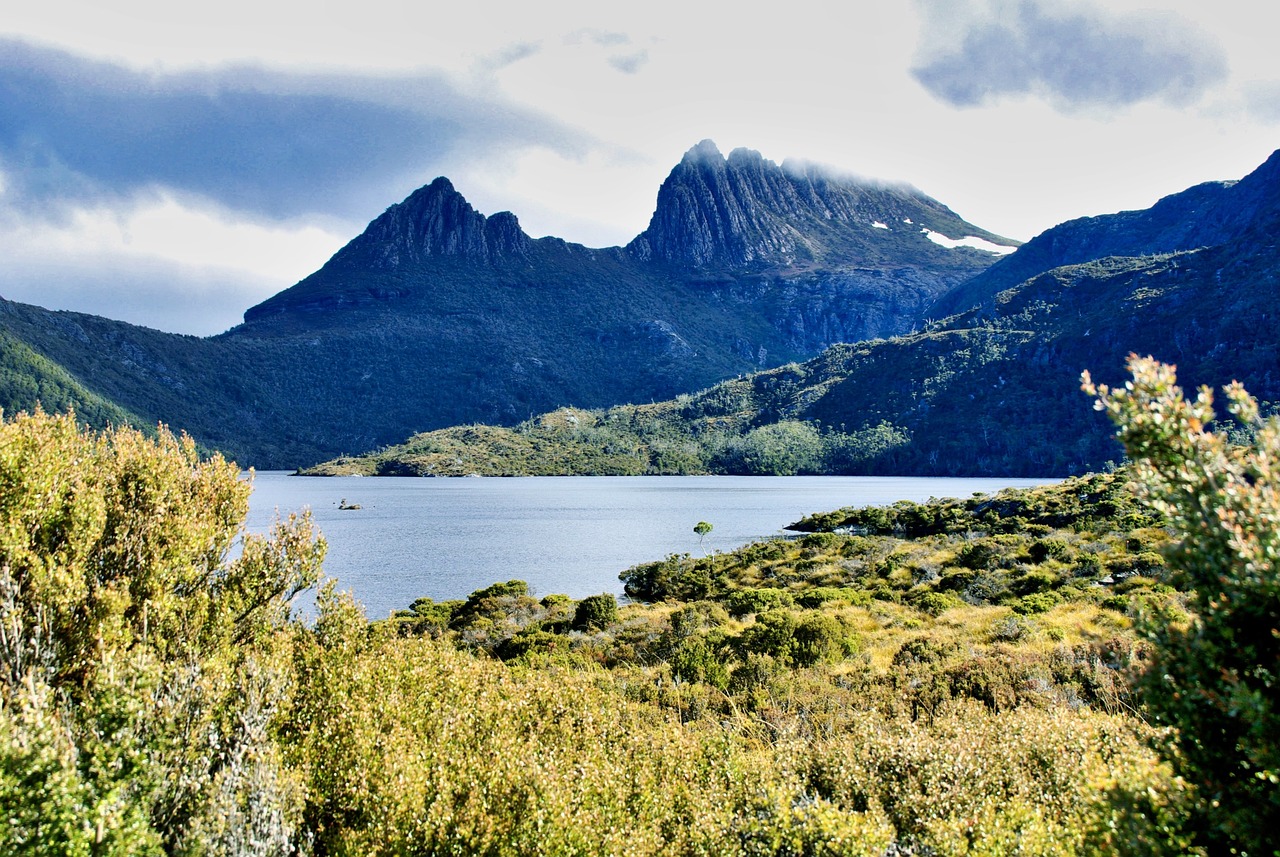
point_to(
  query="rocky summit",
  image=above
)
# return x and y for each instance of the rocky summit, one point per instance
(746, 212)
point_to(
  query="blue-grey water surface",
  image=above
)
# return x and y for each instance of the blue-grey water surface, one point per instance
(445, 538)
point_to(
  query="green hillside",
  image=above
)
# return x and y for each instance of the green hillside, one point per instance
(990, 391)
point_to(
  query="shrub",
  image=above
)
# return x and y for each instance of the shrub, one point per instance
(933, 603)
(676, 578)
(1036, 602)
(529, 642)
(595, 612)
(745, 601)
(1216, 678)
(697, 659)
(819, 595)
(978, 555)
(141, 672)
(693, 618)
(1044, 549)
(819, 639)
(923, 650)
(772, 634)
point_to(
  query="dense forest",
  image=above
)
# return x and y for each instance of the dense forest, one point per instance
(1087, 668)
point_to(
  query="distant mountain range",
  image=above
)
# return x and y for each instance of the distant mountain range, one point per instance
(989, 388)
(437, 315)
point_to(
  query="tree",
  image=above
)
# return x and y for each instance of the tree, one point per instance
(702, 528)
(1215, 674)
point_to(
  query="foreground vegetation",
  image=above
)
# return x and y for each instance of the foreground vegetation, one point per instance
(1062, 670)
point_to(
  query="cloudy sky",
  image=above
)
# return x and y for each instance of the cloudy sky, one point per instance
(172, 164)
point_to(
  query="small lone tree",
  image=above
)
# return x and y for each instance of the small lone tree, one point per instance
(1216, 677)
(702, 528)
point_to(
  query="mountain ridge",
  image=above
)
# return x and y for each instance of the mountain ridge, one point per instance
(742, 211)
(1203, 215)
(990, 390)
(437, 315)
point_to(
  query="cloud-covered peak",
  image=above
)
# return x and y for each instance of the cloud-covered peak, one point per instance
(1074, 55)
(706, 151)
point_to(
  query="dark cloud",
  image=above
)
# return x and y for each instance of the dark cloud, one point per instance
(275, 144)
(1076, 56)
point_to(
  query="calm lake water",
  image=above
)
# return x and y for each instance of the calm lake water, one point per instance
(445, 538)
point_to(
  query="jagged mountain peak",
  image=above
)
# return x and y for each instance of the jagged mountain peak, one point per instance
(716, 216)
(434, 223)
(746, 211)
(705, 152)
(434, 220)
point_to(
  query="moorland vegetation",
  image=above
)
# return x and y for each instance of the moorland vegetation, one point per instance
(1086, 668)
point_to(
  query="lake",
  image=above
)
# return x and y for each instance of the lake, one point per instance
(446, 538)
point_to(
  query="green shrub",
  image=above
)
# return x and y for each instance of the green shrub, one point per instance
(1032, 580)
(923, 650)
(1045, 549)
(954, 579)
(819, 639)
(1215, 679)
(698, 659)
(1036, 602)
(819, 595)
(756, 672)
(773, 634)
(142, 669)
(595, 613)
(529, 642)
(745, 601)
(978, 555)
(676, 578)
(933, 603)
(694, 618)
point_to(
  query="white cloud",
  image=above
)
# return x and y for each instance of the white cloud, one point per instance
(158, 263)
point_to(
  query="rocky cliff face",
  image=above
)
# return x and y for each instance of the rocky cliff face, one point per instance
(747, 212)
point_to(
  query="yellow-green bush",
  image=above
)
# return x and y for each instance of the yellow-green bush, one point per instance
(140, 662)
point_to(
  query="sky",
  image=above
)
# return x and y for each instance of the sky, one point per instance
(172, 164)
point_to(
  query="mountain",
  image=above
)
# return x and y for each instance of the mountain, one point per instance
(990, 390)
(746, 213)
(1207, 215)
(437, 315)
